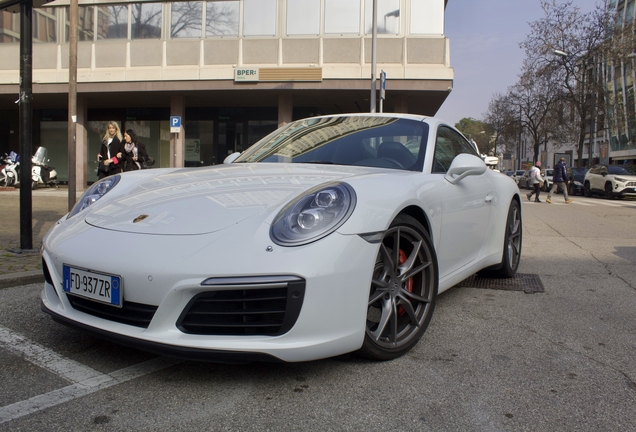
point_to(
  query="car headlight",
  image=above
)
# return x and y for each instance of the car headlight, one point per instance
(622, 180)
(93, 193)
(313, 215)
(578, 183)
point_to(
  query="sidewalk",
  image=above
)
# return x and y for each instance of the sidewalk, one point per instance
(18, 267)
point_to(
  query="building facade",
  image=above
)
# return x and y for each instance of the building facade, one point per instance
(232, 70)
(620, 143)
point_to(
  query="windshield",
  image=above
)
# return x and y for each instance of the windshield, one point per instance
(374, 141)
(614, 169)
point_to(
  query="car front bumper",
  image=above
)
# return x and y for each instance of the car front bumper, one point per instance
(168, 272)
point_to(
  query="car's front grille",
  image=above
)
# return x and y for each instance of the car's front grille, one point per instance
(135, 314)
(630, 184)
(267, 306)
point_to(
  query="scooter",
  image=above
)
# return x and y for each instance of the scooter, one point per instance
(10, 173)
(41, 172)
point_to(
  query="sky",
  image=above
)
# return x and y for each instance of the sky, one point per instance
(484, 50)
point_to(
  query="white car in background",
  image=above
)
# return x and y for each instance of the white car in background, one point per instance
(611, 181)
(328, 236)
(547, 175)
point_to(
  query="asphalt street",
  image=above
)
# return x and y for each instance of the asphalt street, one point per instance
(491, 360)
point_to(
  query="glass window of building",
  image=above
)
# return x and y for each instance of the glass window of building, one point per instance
(342, 16)
(427, 17)
(186, 19)
(146, 21)
(222, 18)
(388, 16)
(303, 17)
(9, 27)
(44, 26)
(85, 23)
(112, 22)
(629, 11)
(259, 17)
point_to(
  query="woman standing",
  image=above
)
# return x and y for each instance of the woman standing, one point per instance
(134, 152)
(110, 152)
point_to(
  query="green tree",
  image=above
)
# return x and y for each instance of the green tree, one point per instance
(478, 131)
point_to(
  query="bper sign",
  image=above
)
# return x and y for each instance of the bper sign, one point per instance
(246, 74)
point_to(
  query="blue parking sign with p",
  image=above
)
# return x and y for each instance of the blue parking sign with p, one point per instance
(175, 124)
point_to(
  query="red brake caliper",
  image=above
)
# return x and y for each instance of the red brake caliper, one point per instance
(409, 283)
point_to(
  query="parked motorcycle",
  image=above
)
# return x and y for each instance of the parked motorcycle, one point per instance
(10, 173)
(41, 172)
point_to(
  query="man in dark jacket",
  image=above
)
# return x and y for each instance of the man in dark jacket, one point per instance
(560, 179)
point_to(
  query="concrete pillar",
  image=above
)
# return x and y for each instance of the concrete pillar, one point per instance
(177, 141)
(81, 145)
(401, 104)
(285, 109)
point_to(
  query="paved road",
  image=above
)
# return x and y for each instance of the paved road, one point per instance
(490, 360)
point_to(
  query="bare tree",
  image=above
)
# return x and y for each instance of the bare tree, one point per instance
(534, 97)
(503, 119)
(574, 41)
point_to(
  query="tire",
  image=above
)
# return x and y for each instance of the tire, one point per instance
(403, 291)
(571, 190)
(608, 191)
(512, 246)
(586, 189)
(34, 184)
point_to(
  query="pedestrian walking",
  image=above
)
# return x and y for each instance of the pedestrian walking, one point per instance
(535, 180)
(110, 152)
(561, 180)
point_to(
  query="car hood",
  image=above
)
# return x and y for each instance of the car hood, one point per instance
(203, 200)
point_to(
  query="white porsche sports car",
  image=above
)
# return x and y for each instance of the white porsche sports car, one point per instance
(331, 235)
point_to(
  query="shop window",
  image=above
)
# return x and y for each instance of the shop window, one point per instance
(54, 136)
(155, 135)
(186, 19)
(427, 17)
(342, 16)
(222, 18)
(303, 17)
(112, 22)
(259, 17)
(388, 16)
(146, 21)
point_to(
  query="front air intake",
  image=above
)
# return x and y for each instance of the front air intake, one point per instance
(246, 306)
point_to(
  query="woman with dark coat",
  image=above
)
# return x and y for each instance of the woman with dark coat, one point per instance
(134, 152)
(110, 152)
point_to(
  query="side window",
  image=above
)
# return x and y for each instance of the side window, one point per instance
(448, 144)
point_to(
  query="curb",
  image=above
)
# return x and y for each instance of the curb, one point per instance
(23, 278)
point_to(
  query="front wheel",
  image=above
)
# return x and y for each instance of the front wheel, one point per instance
(403, 291)
(609, 194)
(34, 184)
(511, 247)
(586, 190)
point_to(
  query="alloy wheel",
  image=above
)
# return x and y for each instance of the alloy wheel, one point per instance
(403, 291)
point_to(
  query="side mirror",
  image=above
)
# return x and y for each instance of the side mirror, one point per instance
(464, 165)
(231, 158)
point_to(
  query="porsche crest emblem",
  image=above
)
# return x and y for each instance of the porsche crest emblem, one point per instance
(140, 218)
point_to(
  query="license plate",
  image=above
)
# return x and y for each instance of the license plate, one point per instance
(102, 287)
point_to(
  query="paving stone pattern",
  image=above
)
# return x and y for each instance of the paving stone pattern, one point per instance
(48, 206)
